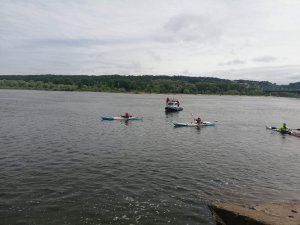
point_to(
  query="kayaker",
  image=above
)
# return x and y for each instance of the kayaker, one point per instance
(127, 115)
(198, 120)
(284, 128)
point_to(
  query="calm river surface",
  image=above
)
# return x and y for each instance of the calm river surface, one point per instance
(60, 164)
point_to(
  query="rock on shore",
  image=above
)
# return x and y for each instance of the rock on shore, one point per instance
(282, 213)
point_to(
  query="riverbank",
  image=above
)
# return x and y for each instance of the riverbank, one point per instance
(148, 84)
(282, 213)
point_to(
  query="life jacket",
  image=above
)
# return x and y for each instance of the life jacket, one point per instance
(283, 128)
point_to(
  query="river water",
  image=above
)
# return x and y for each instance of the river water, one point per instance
(60, 164)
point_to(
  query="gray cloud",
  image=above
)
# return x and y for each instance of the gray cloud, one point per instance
(55, 42)
(233, 62)
(184, 22)
(277, 74)
(294, 77)
(110, 68)
(264, 59)
(193, 27)
(154, 56)
(161, 37)
(81, 42)
(186, 73)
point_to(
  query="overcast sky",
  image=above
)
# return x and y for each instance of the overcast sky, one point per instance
(231, 39)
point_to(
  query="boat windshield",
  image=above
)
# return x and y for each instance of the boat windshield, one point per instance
(172, 103)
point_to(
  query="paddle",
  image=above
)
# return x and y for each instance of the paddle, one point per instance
(198, 125)
(192, 115)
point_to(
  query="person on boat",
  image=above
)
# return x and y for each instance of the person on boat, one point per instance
(177, 103)
(127, 115)
(199, 121)
(167, 100)
(284, 128)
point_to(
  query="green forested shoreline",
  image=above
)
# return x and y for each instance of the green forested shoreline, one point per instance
(145, 84)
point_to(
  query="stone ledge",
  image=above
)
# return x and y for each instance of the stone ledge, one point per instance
(283, 213)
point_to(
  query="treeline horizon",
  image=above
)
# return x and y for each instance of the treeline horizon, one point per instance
(146, 84)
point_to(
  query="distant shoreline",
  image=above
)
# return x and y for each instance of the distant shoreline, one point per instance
(141, 93)
(148, 85)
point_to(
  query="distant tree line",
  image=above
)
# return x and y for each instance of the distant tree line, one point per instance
(144, 84)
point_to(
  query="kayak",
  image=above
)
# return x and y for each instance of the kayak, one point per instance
(193, 124)
(278, 130)
(294, 132)
(120, 118)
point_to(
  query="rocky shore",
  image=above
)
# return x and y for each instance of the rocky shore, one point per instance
(283, 213)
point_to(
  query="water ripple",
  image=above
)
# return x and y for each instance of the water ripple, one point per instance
(60, 164)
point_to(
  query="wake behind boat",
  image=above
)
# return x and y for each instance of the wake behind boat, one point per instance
(193, 124)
